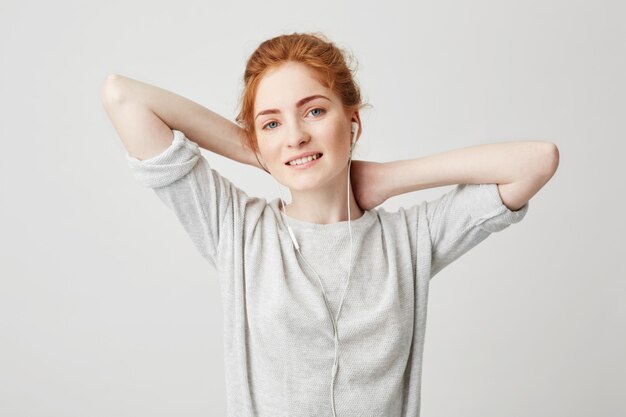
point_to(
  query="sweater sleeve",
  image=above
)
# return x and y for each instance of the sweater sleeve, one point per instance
(463, 217)
(198, 195)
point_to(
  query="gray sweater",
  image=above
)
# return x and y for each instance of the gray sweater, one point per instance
(278, 336)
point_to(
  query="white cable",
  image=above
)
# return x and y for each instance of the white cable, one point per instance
(333, 319)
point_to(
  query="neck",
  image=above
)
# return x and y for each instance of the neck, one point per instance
(324, 205)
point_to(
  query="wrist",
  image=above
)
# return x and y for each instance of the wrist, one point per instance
(383, 179)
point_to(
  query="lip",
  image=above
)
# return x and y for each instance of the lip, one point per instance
(305, 165)
(302, 155)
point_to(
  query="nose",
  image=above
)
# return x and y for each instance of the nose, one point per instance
(298, 136)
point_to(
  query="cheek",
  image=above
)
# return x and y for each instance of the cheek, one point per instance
(340, 141)
(269, 154)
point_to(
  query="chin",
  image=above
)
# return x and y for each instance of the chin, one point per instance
(303, 184)
(300, 186)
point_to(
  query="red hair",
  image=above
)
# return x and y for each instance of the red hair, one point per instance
(316, 51)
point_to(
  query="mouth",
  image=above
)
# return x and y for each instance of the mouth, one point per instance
(305, 162)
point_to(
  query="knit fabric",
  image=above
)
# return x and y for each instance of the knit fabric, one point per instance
(278, 335)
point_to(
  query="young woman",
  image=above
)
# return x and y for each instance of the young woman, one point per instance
(325, 298)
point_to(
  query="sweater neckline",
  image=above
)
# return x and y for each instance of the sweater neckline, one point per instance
(366, 219)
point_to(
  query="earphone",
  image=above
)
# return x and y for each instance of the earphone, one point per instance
(354, 129)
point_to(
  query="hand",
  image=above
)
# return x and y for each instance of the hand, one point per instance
(367, 181)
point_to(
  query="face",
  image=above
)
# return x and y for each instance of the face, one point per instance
(288, 123)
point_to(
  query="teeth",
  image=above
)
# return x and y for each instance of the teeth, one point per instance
(304, 160)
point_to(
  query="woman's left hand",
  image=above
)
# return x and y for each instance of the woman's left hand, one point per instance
(367, 181)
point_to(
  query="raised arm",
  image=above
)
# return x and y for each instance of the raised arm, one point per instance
(144, 115)
(520, 168)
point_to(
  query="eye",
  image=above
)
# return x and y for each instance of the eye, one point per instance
(273, 121)
(318, 108)
(264, 127)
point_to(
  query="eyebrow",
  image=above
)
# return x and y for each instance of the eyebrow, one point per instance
(300, 103)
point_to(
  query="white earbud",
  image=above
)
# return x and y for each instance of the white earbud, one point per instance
(354, 130)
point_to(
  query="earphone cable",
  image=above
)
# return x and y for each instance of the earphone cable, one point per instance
(333, 319)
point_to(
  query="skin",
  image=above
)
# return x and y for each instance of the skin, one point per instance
(139, 110)
(318, 193)
(519, 168)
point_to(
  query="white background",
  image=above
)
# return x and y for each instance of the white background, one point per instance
(107, 309)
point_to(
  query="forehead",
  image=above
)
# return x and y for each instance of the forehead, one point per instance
(285, 85)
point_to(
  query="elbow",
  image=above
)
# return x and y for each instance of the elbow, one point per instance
(549, 157)
(110, 91)
(552, 156)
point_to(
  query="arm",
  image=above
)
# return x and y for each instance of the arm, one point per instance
(519, 168)
(139, 111)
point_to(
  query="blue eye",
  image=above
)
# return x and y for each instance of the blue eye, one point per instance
(317, 108)
(268, 125)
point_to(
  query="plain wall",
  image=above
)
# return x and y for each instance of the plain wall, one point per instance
(107, 309)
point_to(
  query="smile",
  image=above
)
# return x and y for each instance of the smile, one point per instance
(303, 163)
